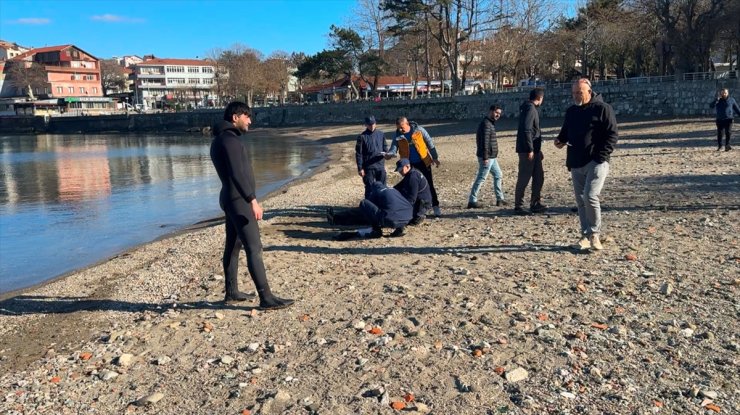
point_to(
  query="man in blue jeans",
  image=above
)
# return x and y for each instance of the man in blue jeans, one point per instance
(487, 151)
(590, 133)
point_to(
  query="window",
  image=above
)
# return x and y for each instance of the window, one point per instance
(193, 69)
(178, 81)
(193, 80)
(82, 90)
(180, 69)
(207, 69)
(89, 77)
(95, 90)
(71, 89)
(60, 90)
(208, 81)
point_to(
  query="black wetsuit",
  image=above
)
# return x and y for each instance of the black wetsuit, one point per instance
(238, 188)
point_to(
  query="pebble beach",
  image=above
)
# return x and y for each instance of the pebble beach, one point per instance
(479, 311)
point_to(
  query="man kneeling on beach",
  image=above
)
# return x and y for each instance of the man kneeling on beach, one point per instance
(242, 211)
(385, 207)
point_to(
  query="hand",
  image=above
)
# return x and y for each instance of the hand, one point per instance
(558, 144)
(257, 209)
(389, 156)
(485, 162)
(530, 156)
(361, 172)
(542, 155)
(436, 162)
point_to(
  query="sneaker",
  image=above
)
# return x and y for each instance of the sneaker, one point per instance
(276, 303)
(437, 211)
(501, 202)
(238, 296)
(584, 244)
(719, 148)
(471, 205)
(538, 208)
(520, 211)
(397, 232)
(728, 148)
(417, 221)
(376, 233)
(596, 242)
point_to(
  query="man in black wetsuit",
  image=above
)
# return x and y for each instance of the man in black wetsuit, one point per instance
(242, 211)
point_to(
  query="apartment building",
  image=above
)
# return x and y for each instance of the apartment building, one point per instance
(9, 50)
(161, 83)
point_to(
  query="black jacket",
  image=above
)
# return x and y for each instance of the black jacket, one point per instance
(394, 205)
(590, 131)
(485, 139)
(725, 108)
(368, 148)
(413, 187)
(232, 164)
(528, 135)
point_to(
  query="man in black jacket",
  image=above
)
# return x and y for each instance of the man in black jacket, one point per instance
(241, 208)
(487, 151)
(370, 152)
(590, 133)
(726, 108)
(415, 188)
(529, 149)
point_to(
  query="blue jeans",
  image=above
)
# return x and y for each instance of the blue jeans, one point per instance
(587, 184)
(483, 170)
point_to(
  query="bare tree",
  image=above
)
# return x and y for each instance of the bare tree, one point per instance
(113, 76)
(27, 76)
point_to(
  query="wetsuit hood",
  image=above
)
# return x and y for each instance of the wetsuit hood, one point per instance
(221, 126)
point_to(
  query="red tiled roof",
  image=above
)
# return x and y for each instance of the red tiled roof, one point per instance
(163, 61)
(59, 48)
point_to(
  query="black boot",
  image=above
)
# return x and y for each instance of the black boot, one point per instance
(275, 303)
(233, 293)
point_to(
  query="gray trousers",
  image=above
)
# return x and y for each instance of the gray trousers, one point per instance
(587, 184)
(529, 170)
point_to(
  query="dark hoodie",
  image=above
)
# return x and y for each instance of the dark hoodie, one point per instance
(528, 135)
(232, 164)
(590, 131)
(396, 208)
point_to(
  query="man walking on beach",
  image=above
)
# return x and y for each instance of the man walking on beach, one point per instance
(241, 208)
(590, 133)
(529, 149)
(413, 142)
(726, 108)
(370, 152)
(487, 151)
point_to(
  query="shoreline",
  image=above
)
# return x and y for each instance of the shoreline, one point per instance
(585, 333)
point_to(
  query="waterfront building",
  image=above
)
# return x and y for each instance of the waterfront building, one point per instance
(9, 50)
(174, 83)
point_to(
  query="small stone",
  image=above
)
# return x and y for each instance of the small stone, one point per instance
(708, 394)
(359, 325)
(125, 360)
(567, 395)
(687, 332)
(694, 392)
(321, 341)
(150, 400)
(423, 408)
(106, 374)
(620, 330)
(516, 375)
(666, 289)
(253, 347)
(162, 360)
(219, 316)
(227, 360)
(216, 277)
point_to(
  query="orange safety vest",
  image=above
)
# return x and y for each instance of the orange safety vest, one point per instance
(417, 139)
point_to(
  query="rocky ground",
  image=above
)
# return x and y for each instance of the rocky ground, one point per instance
(478, 312)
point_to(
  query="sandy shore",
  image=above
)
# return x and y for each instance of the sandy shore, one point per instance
(477, 312)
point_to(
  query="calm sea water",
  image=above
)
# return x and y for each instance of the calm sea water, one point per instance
(68, 201)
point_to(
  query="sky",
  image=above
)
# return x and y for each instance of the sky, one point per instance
(172, 28)
(176, 28)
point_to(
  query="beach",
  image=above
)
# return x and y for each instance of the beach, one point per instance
(479, 311)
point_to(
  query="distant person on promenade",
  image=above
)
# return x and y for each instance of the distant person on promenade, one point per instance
(529, 149)
(241, 208)
(413, 142)
(726, 107)
(486, 152)
(370, 152)
(590, 133)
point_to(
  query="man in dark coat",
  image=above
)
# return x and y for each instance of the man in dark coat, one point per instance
(726, 108)
(370, 151)
(415, 188)
(241, 208)
(590, 133)
(487, 151)
(529, 149)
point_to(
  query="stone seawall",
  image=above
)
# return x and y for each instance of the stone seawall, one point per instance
(668, 99)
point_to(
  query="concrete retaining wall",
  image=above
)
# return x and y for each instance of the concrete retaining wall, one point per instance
(678, 99)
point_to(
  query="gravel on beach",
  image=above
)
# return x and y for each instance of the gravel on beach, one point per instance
(477, 312)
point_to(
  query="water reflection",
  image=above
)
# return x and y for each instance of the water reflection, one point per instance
(69, 201)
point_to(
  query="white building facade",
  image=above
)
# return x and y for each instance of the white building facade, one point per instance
(167, 83)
